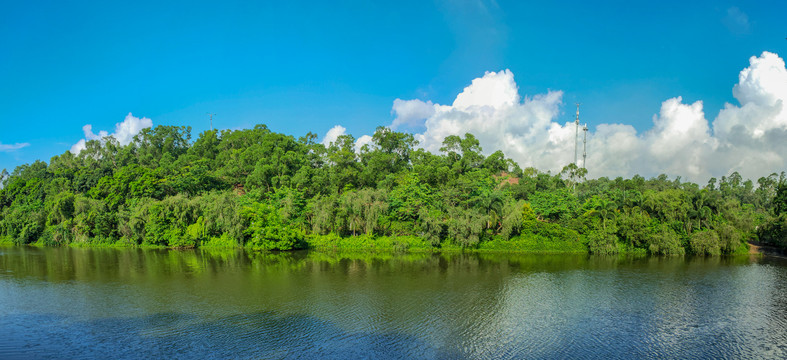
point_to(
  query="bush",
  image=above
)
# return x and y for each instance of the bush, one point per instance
(57, 235)
(555, 204)
(665, 242)
(197, 232)
(317, 241)
(730, 238)
(602, 243)
(705, 243)
(550, 231)
(774, 232)
(23, 224)
(634, 228)
(532, 243)
(465, 227)
(176, 238)
(430, 225)
(266, 231)
(225, 241)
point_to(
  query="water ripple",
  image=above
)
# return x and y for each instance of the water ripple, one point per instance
(445, 307)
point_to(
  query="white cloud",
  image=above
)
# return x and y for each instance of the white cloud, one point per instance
(131, 126)
(124, 132)
(78, 147)
(363, 140)
(750, 138)
(762, 92)
(494, 90)
(14, 147)
(338, 130)
(411, 112)
(679, 141)
(490, 108)
(753, 136)
(3, 176)
(736, 21)
(333, 134)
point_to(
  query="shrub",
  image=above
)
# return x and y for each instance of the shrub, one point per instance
(223, 241)
(603, 243)
(431, 225)
(730, 238)
(665, 242)
(176, 238)
(465, 227)
(705, 243)
(266, 231)
(197, 232)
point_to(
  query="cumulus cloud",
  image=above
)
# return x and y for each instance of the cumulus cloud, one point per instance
(338, 130)
(762, 93)
(411, 112)
(491, 109)
(750, 138)
(333, 134)
(679, 141)
(14, 147)
(753, 136)
(3, 176)
(363, 140)
(124, 132)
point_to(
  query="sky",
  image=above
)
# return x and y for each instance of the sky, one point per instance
(692, 89)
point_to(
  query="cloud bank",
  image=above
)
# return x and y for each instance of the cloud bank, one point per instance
(750, 138)
(124, 132)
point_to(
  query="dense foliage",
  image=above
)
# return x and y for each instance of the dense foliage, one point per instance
(270, 191)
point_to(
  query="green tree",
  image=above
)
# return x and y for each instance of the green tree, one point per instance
(267, 231)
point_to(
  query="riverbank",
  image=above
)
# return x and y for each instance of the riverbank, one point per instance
(410, 244)
(758, 248)
(519, 244)
(367, 243)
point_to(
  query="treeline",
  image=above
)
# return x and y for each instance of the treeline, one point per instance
(264, 190)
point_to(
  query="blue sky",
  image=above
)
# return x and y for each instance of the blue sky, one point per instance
(307, 66)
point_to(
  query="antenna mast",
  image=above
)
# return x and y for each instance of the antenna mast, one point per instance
(585, 146)
(211, 120)
(576, 134)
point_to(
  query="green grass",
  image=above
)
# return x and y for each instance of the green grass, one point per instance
(6, 241)
(743, 249)
(219, 242)
(534, 244)
(102, 243)
(369, 243)
(117, 244)
(530, 244)
(368, 257)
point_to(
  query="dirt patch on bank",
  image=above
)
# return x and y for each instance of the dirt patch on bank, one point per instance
(759, 248)
(754, 249)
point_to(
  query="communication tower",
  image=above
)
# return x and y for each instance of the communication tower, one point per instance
(211, 120)
(576, 134)
(585, 147)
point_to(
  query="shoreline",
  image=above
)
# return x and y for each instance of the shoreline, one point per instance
(392, 246)
(758, 248)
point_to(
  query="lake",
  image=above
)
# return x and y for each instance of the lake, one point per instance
(131, 303)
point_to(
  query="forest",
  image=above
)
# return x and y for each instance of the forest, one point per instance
(263, 190)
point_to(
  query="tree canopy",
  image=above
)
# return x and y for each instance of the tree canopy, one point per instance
(271, 191)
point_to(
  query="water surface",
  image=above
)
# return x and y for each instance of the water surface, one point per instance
(116, 303)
